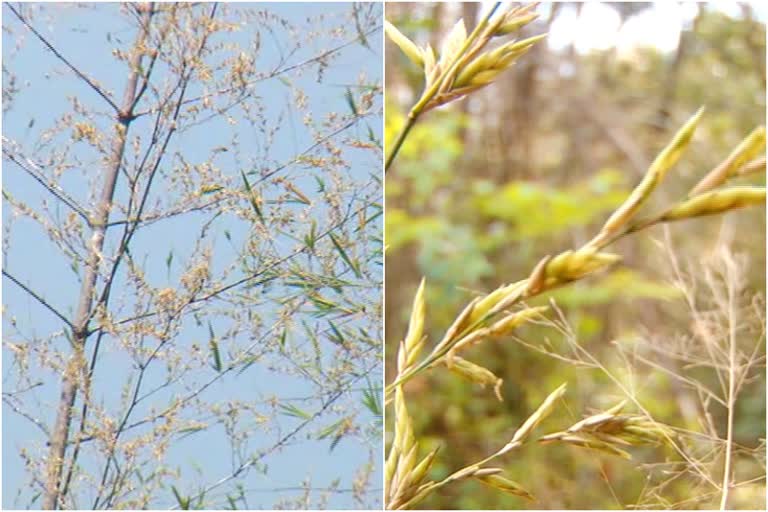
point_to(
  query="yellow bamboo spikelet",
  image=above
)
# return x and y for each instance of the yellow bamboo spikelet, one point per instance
(586, 442)
(505, 485)
(485, 304)
(715, 201)
(571, 265)
(484, 69)
(655, 174)
(457, 70)
(421, 469)
(414, 340)
(544, 410)
(499, 328)
(459, 325)
(396, 467)
(748, 149)
(477, 374)
(401, 462)
(605, 430)
(515, 20)
(756, 166)
(409, 48)
(513, 321)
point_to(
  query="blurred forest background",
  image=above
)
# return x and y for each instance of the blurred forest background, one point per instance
(532, 165)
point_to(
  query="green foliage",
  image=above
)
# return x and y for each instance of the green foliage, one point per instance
(428, 161)
(533, 210)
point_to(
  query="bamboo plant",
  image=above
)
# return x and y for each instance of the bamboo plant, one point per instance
(462, 67)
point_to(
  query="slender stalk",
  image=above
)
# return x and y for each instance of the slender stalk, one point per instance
(732, 322)
(38, 298)
(76, 364)
(399, 142)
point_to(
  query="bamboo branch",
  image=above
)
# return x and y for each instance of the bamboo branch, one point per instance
(38, 298)
(63, 59)
(70, 378)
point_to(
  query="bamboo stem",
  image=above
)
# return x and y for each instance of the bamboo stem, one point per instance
(70, 378)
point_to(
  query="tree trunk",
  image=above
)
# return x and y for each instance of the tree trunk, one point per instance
(98, 223)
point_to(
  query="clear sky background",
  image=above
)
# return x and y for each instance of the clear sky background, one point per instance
(45, 86)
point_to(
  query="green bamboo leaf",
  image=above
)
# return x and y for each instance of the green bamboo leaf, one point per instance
(330, 430)
(373, 139)
(372, 400)
(292, 410)
(336, 441)
(200, 501)
(360, 34)
(311, 237)
(210, 189)
(253, 199)
(214, 349)
(337, 337)
(183, 502)
(248, 362)
(338, 430)
(168, 262)
(351, 101)
(191, 430)
(345, 257)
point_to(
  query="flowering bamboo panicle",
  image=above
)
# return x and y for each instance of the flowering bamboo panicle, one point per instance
(544, 410)
(748, 149)
(665, 160)
(715, 201)
(505, 485)
(607, 430)
(462, 64)
(403, 474)
(476, 373)
(460, 67)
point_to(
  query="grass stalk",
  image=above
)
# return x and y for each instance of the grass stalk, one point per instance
(731, 400)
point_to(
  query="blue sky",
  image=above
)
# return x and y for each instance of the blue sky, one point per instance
(45, 86)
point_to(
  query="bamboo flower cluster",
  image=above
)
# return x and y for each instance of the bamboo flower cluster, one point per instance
(608, 430)
(502, 310)
(463, 65)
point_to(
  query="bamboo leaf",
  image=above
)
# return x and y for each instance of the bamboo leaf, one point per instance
(183, 502)
(373, 139)
(214, 349)
(210, 189)
(345, 256)
(336, 441)
(351, 101)
(337, 337)
(253, 199)
(360, 34)
(330, 429)
(372, 400)
(292, 410)
(168, 262)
